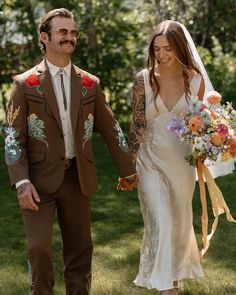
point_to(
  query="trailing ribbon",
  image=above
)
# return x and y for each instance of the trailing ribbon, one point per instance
(219, 205)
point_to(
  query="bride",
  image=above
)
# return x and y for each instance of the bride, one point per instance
(173, 76)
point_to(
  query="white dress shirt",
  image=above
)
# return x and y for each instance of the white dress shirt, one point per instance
(64, 114)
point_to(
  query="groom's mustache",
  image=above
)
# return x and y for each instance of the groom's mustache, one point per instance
(67, 41)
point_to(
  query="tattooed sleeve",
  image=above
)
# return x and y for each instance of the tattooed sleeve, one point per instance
(138, 122)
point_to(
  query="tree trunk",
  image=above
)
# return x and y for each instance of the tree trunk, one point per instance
(206, 22)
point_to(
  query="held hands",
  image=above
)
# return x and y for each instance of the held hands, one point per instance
(27, 195)
(127, 183)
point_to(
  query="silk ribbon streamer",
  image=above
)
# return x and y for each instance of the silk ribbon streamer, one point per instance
(219, 205)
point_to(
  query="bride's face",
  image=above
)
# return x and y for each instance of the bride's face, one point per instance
(163, 51)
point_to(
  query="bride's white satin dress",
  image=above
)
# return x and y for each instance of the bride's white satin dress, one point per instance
(169, 249)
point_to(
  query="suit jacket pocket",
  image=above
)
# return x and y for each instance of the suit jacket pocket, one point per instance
(36, 99)
(87, 100)
(38, 104)
(35, 157)
(90, 157)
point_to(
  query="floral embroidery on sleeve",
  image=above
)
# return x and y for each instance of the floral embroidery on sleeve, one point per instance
(12, 150)
(87, 83)
(36, 128)
(88, 128)
(33, 81)
(121, 138)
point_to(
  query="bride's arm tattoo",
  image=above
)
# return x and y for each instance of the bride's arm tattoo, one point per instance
(138, 122)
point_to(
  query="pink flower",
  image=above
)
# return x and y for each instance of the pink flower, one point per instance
(195, 123)
(222, 129)
(213, 97)
(202, 107)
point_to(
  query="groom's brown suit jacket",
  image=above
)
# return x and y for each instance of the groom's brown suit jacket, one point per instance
(34, 140)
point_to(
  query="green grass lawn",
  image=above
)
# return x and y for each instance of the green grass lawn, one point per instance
(117, 232)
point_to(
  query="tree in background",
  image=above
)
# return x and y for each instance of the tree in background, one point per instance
(214, 35)
(114, 38)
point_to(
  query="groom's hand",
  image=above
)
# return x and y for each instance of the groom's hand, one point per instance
(127, 183)
(27, 195)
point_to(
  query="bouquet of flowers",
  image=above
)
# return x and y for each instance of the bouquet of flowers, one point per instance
(207, 128)
(210, 130)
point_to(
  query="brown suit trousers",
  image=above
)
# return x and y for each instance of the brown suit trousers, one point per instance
(73, 213)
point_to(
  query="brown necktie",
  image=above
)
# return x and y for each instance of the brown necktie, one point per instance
(63, 88)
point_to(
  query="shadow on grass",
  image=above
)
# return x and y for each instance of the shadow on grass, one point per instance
(117, 213)
(117, 231)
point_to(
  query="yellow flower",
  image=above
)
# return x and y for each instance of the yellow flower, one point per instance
(226, 156)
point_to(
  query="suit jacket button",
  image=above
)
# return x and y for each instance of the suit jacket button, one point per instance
(62, 158)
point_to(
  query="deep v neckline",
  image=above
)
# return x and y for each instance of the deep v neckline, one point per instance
(169, 111)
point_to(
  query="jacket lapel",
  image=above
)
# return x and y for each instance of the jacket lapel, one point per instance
(76, 92)
(48, 90)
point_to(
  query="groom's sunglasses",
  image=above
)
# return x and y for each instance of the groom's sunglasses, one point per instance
(63, 32)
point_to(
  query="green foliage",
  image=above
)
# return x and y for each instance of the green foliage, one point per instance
(112, 46)
(114, 39)
(222, 70)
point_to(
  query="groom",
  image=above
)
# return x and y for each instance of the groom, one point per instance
(48, 149)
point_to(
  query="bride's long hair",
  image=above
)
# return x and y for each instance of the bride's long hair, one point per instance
(174, 33)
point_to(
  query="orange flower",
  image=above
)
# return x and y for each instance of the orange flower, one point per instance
(217, 139)
(214, 114)
(195, 123)
(232, 146)
(213, 97)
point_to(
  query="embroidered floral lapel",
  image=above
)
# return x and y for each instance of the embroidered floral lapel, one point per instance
(38, 83)
(87, 82)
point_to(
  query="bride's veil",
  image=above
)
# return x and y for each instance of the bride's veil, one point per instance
(217, 168)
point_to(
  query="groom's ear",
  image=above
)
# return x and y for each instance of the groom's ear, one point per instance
(43, 37)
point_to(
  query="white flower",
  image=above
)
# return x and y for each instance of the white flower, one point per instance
(199, 143)
(10, 140)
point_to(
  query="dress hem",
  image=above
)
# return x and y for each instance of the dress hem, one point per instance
(150, 286)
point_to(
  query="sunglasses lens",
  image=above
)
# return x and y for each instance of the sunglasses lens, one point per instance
(74, 33)
(62, 32)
